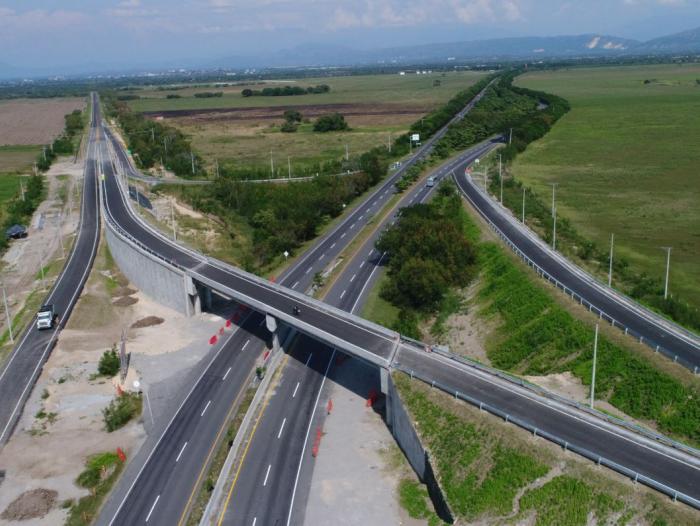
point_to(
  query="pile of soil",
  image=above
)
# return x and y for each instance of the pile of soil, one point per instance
(124, 291)
(148, 321)
(125, 301)
(31, 504)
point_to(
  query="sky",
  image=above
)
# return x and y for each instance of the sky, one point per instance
(135, 33)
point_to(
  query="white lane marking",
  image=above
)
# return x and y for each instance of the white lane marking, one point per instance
(306, 438)
(360, 218)
(152, 508)
(284, 421)
(295, 284)
(180, 453)
(255, 519)
(309, 359)
(205, 408)
(295, 390)
(352, 226)
(267, 475)
(352, 278)
(245, 344)
(333, 245)
(261, 323)
(362, 264)
(367, 282)
(371, 252)
(227, 371)
(342, 294)
(322, 256)
(308, 270)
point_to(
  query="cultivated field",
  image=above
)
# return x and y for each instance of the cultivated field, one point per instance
(626, 162)
(35, 121)
(393, 88)
(243, 131)
(17, 158)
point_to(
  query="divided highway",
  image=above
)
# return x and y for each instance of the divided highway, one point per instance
(23, 366)
(162, 488)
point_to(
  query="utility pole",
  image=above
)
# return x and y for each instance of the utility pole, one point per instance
(43, 277)
(389, 142)
(7, 314)
(523, 205)
(153, 135)
(216, 161)
(165, 146)
(172, 219)
(60, 240)
(612, 242)
(289, 168)
(43, 150)
(192, 159)
(554, 231)
(595, 358)
(668, 267)
(410, 145)
(554, 186)
(347, 153)
(500, 175)
(510, 136)
(272, 166)
(21, 189)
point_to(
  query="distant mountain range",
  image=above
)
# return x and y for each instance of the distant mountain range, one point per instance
(474, 51)
(522, 48)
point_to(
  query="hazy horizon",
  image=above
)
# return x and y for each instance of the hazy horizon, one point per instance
(134, 33)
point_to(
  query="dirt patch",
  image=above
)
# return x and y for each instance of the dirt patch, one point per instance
(125, 301)
(31, 504)
(563, 384)
(276, 112)
(124, 291)
(36, 121)
(148, 321)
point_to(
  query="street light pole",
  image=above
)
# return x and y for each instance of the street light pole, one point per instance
(554, 187)
(192, 158)
(500, 175)
(172, 219)
(289, 168)
(7, 314)
(612, 242)
(272, 166)
(595, 358)
(668, 267)
(554, 231)
(523, 205)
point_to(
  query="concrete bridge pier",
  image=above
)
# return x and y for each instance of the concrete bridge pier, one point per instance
(272, 326)
(193, 301)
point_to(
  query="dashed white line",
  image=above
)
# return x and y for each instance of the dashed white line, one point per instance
(308, 270)
(227, 371)
(255, 519)
(205, 408)
(333, 245)
(284, 421)
(245, 344)
(362, 264)
(295, 389)
(152, 508)
(352, 226)
(309, 359)
(267, 475)
(371, 252)
(342, 294)
(322, 256)
(261, 323)
(295, 284)
(352, 278)
(180, 453)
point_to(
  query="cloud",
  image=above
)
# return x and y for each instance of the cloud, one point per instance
(129, 9)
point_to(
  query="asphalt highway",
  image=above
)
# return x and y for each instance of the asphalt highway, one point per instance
(271, 485)
(23, 366)
(626, 314)
(162, 489)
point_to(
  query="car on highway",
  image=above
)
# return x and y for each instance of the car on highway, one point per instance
(431, 182)
(46, 317)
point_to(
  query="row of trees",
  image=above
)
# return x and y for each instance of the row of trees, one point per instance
(155, 143)
(282, 91)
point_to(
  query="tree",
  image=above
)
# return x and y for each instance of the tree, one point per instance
(288, 127)
(247, 92)
(293, 116)
(330, 122)
(109, 363)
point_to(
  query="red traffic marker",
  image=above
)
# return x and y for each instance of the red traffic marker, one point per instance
(121, 454)
(213, 339)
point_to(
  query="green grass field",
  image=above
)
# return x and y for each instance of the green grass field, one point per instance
(626, 162)
(17, 158)
(390, 88)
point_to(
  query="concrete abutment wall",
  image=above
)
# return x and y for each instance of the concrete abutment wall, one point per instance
(167, 285)
(401, 426)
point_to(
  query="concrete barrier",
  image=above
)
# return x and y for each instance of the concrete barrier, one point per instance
(401, 425)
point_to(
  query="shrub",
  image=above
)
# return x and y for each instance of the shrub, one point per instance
(109, 363)
(331, 122)
(121, 410)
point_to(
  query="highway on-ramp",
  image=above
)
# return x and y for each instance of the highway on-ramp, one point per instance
(24, 364)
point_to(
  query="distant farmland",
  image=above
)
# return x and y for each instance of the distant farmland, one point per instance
(35, 121)
(626, 162)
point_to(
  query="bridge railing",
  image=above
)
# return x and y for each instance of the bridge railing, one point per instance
(598, 459)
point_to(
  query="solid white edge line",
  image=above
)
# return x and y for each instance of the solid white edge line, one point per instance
(306, 438)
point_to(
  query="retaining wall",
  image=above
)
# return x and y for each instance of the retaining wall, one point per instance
(166, 285)
(406, 436)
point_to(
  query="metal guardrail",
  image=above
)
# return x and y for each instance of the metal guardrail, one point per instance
(591, 307)
(544, 393)
(598, 459)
